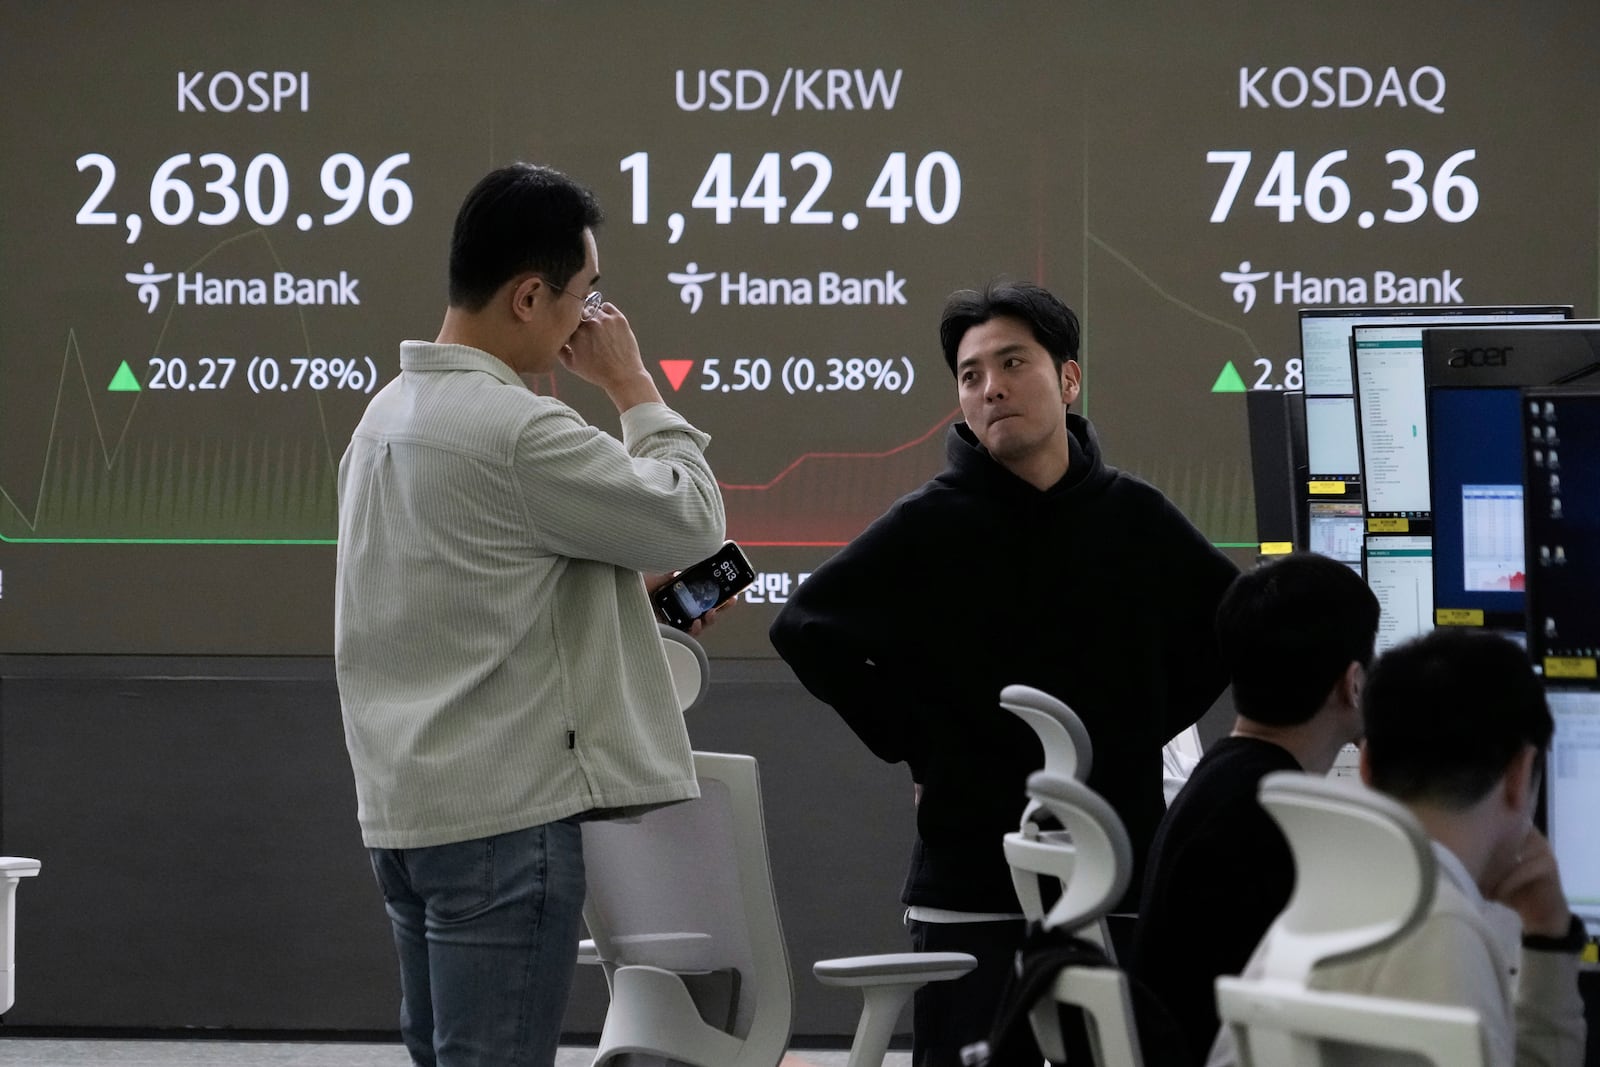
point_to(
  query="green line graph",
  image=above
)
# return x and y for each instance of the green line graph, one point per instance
(225, 467)
(172, 489)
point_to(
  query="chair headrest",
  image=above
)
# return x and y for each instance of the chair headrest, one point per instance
(1068, 752)
(691, 671)
(1364, 872)
(1096, 863)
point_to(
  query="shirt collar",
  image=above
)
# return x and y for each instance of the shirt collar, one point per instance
(429, 356)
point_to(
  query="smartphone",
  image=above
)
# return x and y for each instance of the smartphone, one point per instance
(706, 585)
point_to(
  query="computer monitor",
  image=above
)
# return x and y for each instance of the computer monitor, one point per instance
(1399, 571)
(1391, 412)
(1475, 458)
(1336, 530)
(1333, 454)
(1572, 796)
(1332, 449)
(1561, 475)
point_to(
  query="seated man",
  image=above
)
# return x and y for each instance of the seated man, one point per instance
(1456, 727)
(1296, 635)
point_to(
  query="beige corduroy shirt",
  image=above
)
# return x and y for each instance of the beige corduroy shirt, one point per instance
(499, 665)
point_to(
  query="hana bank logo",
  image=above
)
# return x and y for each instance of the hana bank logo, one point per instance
(690, 282)
(149, 286)
(281, 288)
(1244, 281)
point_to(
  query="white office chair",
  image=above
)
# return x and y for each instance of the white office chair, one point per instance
(12, 870)
(1364, 877)
(1093, 869)
(691, 671)
(684, 919)
(1068, 753)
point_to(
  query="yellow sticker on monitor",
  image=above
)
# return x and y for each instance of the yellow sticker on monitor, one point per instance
(1326, 488)
(1569, 667)
(1388, 526)
(1591, 953)
(1458, 617)
(1276, 548)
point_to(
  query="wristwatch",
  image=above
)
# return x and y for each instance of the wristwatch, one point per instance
(1571, 941)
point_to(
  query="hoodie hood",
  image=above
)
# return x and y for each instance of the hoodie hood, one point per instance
(971, 466)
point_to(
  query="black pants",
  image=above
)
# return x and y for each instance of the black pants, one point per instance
(946, 1016)
(949, 1015)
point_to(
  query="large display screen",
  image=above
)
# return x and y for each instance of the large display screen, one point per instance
(221, 219)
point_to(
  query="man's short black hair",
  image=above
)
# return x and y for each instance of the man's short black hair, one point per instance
(1289, 630)
(1447, 713)
(519, 219)
(1054, 325)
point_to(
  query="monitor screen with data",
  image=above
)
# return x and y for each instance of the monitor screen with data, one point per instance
(1336, 530)
(1326, 336)
(1572, 796)
(1392, 409)
(1474, 375)
(1480, 566)
(1400, 573)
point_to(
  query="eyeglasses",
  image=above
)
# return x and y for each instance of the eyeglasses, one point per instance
(591, 303)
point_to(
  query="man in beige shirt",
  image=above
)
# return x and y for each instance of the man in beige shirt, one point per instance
(499, 667)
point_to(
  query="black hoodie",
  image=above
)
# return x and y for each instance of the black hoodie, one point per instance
(1096, 590)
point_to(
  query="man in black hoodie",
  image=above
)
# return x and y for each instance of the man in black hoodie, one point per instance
(1028, 560)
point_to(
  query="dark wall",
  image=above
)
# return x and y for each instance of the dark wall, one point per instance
(202, 866)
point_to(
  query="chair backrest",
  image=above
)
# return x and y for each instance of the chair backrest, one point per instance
(683, 914)
(12, 870)
(1364, 878)
(691, 671)
(1068, 752)
(1092, 859)
(1364, 872)
(1095, 867)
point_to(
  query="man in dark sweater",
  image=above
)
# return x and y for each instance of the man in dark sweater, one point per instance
(1297, 635)
(1028, 560)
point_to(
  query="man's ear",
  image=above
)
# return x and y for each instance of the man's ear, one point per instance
(523, 296)
(1350, 683)
(1071, 381)
(1518, 783)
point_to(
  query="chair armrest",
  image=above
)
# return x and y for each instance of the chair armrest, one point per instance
(681, 953)
(587, 953)
(18, 867)
(894, 968)
(886, 983)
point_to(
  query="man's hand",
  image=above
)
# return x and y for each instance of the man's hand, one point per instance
(1532, 888)
(652, 582)
(604, 352)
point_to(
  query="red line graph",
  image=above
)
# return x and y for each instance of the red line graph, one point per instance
(823, 499)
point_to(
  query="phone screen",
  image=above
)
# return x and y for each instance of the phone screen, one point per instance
(704, 586)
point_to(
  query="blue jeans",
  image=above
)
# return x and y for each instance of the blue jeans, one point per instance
(487, 932)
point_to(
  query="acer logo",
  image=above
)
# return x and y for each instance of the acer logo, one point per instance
(1479, 357)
